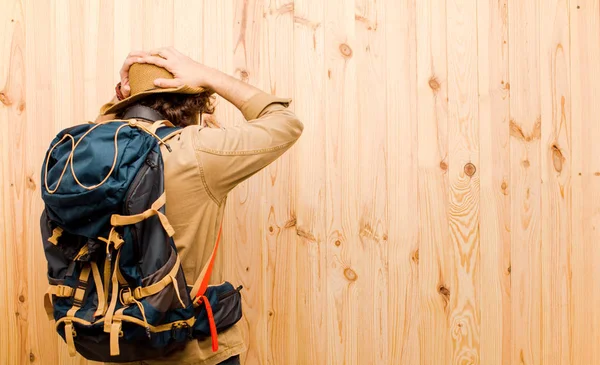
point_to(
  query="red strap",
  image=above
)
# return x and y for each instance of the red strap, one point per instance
(209, 266)
(211, 323)
(205, 275)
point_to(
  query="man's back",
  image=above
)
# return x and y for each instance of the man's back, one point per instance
(204, 165)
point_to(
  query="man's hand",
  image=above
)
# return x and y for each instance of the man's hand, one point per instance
(189, 72)
(133, 57)
(185, 70)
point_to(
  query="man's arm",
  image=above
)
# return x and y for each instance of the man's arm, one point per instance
(228, 156)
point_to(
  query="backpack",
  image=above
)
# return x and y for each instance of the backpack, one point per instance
(117, 290)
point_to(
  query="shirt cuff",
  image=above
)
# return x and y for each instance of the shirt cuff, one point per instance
(253, 108)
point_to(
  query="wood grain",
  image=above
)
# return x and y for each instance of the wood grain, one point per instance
(442, 206)
(280, 238)
(436, 260)
(555, 153)
(494, 179)
(585, 178)
(403, 223)
(342, 183)
(15, 189)
(463, 157)
(310, 223)
(525, 175)
(372, 246)
(44, 344)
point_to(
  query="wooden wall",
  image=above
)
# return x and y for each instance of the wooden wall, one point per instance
(442, 206)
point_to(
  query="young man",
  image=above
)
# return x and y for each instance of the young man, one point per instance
(205, 164)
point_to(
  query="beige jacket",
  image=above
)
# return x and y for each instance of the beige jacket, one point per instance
(204, 166)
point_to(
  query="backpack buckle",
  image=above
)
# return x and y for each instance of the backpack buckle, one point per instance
(181, 326)
(125, 296)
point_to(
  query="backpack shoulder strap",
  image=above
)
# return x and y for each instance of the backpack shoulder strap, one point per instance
(165, 129)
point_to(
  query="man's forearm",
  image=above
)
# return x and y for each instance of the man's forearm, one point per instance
(231, 89)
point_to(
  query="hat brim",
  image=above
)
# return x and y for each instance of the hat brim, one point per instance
(184, 89)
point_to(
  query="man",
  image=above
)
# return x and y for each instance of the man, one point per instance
(205, 164)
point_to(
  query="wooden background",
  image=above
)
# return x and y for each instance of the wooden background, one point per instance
(442, 206)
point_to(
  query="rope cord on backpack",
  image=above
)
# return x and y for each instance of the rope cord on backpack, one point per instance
(131, 123)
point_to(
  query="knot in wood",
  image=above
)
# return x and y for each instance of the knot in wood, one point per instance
(346, 50)
(350, 274)
(444, 291)
(470, 169)
(415, 256)
(4, 99)
(434, 84)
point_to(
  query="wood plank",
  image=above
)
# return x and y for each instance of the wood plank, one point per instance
(127, 19)
(15, 188)
(40, 65)
(244, 222)
(188, 28)
(279, 211)
(342, 183)
(158, 23)
(585, 152)
(525, 169)
(98, 49)
(403, 240)
(372, 284)
(69, 93)
(494, 174)
(310, 225)
(556, 185)
(435, 250)
(463, 157)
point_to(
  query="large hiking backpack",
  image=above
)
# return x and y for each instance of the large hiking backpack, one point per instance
(117, 290)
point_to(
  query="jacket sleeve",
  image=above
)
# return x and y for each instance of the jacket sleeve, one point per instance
(227, 157)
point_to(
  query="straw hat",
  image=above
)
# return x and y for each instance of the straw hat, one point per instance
(141, 81)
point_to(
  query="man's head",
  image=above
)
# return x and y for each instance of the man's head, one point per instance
(180, 109)
(182, 105)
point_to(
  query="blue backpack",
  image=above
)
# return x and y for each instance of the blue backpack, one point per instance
(117, 290)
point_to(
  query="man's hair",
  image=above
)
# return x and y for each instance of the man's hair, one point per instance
(180, 109)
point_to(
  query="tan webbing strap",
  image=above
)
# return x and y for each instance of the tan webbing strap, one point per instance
(172, 134)
(114, 238)
(70, 334)
(56, 233)
(79, 291)
(159, 124)
(58, 290)
(142, 292)
(115, 330)
(114, 296)
(125, 220)
(99, 289)
(176, 287)
(82, 252)
(201, 283)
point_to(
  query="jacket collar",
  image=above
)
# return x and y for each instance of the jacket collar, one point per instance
(138, 111)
